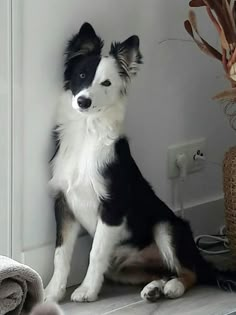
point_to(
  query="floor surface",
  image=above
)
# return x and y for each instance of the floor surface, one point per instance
(116, 299)
(124, 300)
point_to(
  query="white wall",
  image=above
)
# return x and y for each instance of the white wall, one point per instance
(171, 99)
(169, 102)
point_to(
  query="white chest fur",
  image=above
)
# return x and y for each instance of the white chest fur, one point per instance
(86, 146)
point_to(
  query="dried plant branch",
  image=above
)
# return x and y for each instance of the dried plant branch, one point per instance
(222, 14)
(203, 45)
(213, 19)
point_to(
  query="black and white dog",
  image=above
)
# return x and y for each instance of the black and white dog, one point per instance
(136, 238)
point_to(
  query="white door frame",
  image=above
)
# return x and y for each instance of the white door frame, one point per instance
(17, 129)
(5, 123)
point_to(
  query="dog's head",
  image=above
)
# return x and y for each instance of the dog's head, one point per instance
(97, 81)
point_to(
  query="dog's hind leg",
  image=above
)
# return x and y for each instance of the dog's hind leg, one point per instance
(176, 287)
(172, 288)
(183, 275)
(67, 231)
(132, 275)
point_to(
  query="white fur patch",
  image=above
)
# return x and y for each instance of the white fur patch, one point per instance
(163, 239)
(86, 146)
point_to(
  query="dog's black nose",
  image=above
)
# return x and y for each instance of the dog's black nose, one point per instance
(84, 102)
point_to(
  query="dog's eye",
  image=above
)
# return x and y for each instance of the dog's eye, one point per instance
(82, 75)
(106, 83)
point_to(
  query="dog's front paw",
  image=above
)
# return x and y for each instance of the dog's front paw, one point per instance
(54, 292)
(84, 294)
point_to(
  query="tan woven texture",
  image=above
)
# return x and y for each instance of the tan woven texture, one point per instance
(229, 169)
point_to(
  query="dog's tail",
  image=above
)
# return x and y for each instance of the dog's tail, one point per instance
(210, 275)
(205, 271)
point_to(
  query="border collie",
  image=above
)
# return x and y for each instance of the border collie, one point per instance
(137, 239)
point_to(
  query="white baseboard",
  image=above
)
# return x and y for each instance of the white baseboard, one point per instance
(206, 218)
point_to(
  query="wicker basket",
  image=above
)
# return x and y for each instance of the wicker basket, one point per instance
(230, 196)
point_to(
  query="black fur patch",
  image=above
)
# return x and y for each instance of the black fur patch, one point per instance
(63, 215)
(56, 142)
(85, 44)
(88, 67)
(127, 55)
(131, 197)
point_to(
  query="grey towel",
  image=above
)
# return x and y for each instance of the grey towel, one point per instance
(20, 287)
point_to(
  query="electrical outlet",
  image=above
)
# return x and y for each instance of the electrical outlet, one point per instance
(189, 149)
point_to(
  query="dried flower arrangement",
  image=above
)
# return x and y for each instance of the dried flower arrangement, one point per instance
(222, 13)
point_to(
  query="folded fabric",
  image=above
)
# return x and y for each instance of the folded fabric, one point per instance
(20, 287)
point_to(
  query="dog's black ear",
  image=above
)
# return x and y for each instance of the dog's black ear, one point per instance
(86, 42)
(127, 55)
